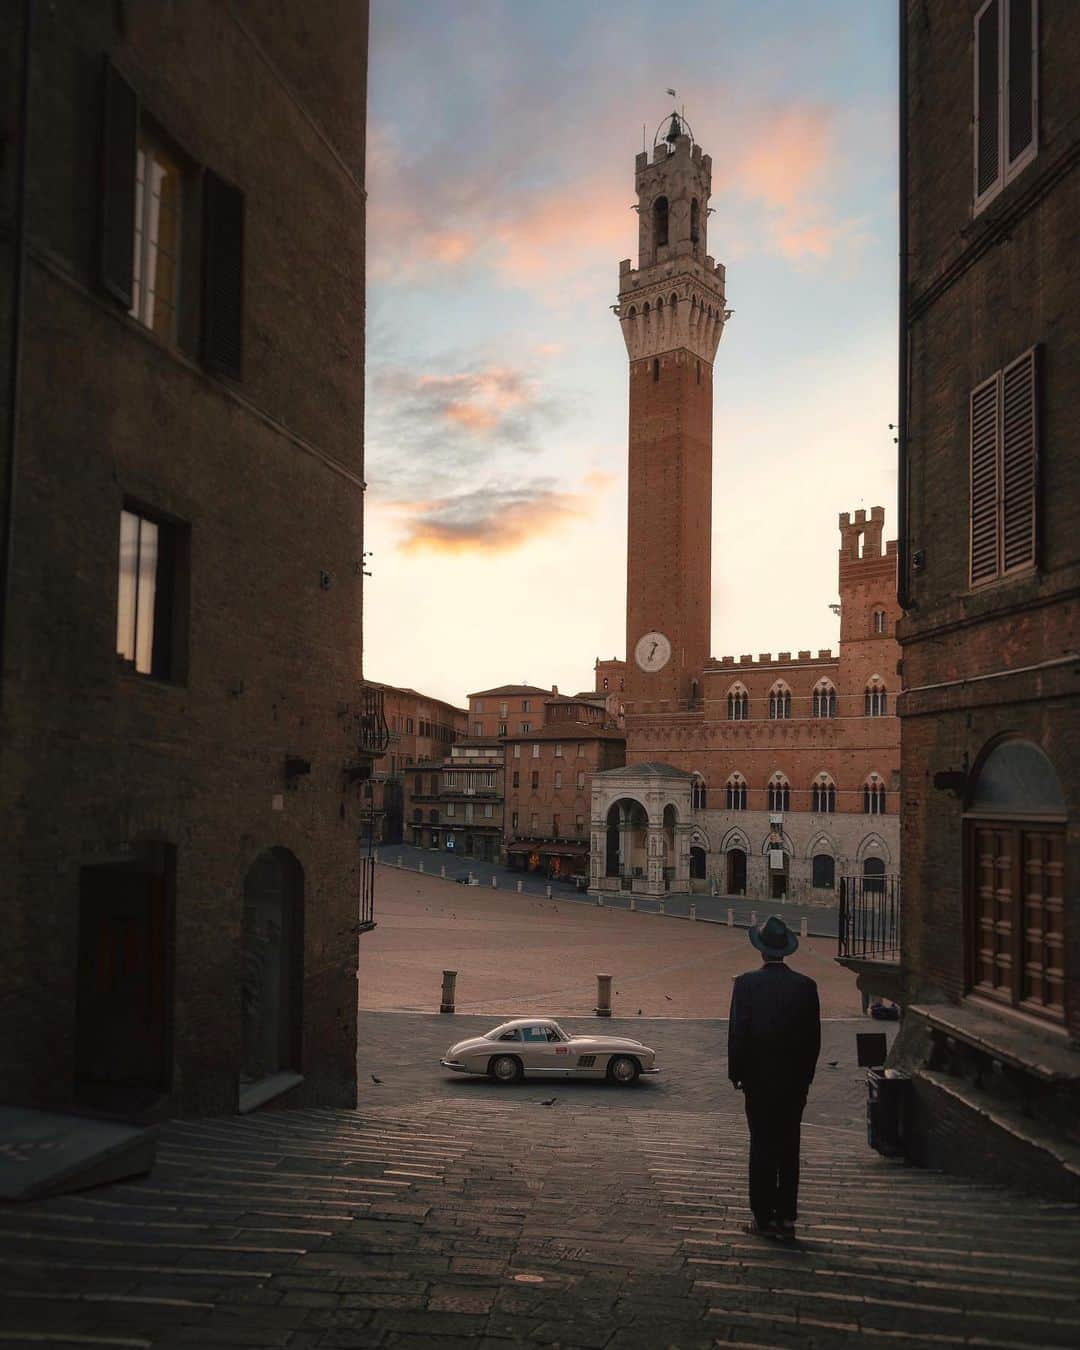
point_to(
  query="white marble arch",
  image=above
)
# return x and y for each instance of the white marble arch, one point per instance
(655, 787)
(822, 842)
(872, 845)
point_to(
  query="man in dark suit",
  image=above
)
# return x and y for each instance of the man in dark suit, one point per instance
(774, 1037)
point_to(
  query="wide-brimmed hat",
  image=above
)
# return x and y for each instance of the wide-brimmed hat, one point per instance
(774, 937)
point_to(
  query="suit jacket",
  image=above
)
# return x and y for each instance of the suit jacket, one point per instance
(774, 1031)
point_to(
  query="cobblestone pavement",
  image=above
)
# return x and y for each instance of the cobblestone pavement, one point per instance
(820, 918)
(497, 1222)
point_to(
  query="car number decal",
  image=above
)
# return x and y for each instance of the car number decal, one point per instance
(562, 1050)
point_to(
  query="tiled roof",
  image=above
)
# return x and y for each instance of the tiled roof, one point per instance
(509, 689)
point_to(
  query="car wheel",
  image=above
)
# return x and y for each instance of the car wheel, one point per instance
(505, 1068)
(623, 1069)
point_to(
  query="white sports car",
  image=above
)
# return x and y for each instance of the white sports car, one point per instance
(538, 1045)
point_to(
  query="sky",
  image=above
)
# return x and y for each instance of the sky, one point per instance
(501, 145)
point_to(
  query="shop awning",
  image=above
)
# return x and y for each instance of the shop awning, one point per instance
(563, 850)
(522, 847)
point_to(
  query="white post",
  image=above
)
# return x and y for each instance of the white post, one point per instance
(519, 888)
(494, 882)
(400, 860)
(599, 899)
(633, 903)
(420, 866)
(693, 911)
(753, 918)
(731, 918)
(547, 891)
(661, 904)
(802, 927)
(442, 870)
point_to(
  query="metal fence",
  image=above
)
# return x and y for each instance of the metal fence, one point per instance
(869, 919)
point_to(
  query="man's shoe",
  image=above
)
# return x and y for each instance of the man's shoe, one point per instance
(784, 1230)
(762, 1230)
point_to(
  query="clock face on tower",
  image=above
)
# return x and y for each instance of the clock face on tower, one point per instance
(653, 652)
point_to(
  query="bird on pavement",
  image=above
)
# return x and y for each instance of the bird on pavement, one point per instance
(550, 1101)
(834, 1063)
(669, 998)
(375, 1080)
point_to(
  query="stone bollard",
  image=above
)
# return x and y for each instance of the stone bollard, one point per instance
(547, 891)
(661, 909)
(802, 927)
(693, 911)
(375, 854)
(420, 866)
(494, 883)
(520, 888)
(599, 899)
(603, 996)
(400, 860)
(753, 918)
(442, 871)
(633, 903)
(731, 918)
(449, 982)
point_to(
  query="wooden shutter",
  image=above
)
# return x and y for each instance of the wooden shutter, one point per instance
(223, 276)
(119, 131)
(984, 481)
(1018, 462)
(1021, 85)
(987, 98)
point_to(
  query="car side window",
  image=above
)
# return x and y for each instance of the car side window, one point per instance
(512, 1035)
(536, 1035)
(553, 1035)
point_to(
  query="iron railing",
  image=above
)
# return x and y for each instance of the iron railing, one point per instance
(869, 919)
(367, 892)
(372, 732)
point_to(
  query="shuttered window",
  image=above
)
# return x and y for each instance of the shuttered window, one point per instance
(119, 132)
(1004, 471)
(223, 276)
(1005, 94)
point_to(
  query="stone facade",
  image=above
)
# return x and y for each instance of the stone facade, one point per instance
(456, 803)
(509, 709)
(990, 579)
(184, 727)
(421, 729)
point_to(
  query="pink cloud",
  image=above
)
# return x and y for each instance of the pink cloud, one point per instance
(488, 519)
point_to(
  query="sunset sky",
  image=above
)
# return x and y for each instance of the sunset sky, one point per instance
(502, 137)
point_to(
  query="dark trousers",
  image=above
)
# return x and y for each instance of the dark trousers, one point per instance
(775, 1122)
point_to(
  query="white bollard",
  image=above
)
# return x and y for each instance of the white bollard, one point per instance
(693, 911)
(494, 883)
(520, 888)
(547, 892)
(753, 918)
(375, 854)
(633, 903)
(661, 905)
(442, 870)
(802, 927)
(419, 866)
(400, 860)
(731, 918)
(599, 899)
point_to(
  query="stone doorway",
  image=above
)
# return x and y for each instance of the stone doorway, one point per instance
(123, 1000)
(272, 969)
(736, 871)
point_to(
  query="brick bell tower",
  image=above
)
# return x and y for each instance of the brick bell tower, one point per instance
(672, 312)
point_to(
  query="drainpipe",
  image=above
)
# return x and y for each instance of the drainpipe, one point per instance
(904, 345)
(7, 553)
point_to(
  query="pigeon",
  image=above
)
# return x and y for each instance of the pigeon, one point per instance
(550, 1101)
(375, 1080)
(669, 998)
(639, 1012)
(834, 1063)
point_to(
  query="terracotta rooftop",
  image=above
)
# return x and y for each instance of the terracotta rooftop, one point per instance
(509, 689)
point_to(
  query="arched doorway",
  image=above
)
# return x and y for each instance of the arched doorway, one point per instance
(671, 819)
(873, 870)
(272, 966)
(824, 871)
(697, 862)
(736, 871)
(627, 845)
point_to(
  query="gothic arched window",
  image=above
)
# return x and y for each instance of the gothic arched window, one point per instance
(698, 793)
(875, 701)
(779, 701)
(879, 621)
(779, 793)
(695, 221)
(735, 792)
(823, 795)
(738, 704)
(660, 221)
(874, 796)
(824, 701)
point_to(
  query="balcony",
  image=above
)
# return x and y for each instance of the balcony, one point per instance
(367, 893)
(869, 932)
